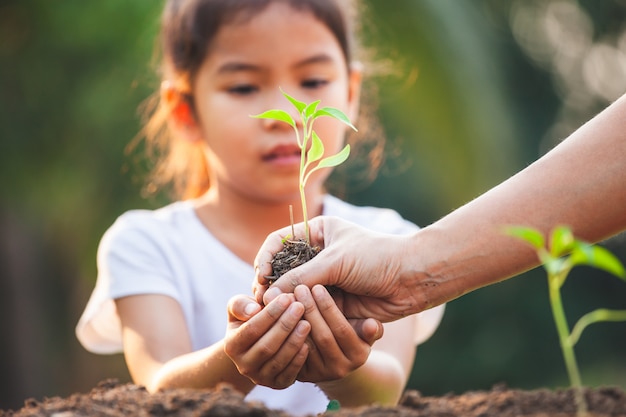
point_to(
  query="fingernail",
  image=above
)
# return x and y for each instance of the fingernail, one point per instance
(301, 292)
(251, 309)
(296, 310)
(319, 291)
(302, 328)
(271, 294)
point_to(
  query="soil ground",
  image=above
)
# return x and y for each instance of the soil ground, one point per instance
(112, 399)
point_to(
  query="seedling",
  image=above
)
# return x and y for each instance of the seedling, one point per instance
(312, 159)
(564, 253)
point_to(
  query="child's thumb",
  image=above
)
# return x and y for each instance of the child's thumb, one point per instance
(242, 307)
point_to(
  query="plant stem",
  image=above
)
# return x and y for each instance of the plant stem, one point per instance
(569, 356)
(601, 314)
(293, 231)
(305, 216)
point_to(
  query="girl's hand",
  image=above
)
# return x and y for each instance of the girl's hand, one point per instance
(267, 345)
(335, 348)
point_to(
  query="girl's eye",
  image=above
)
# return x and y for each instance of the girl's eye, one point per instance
(314, 83)
(243, 89)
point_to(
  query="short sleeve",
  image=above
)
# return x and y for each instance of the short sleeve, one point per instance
(131, 260)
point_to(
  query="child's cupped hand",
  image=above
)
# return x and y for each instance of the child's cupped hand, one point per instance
(337, 346)
(302, 336)
(267, 345)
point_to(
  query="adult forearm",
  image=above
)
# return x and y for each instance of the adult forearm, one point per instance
(580, 183)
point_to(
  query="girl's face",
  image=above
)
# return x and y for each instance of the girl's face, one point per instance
(247, 65)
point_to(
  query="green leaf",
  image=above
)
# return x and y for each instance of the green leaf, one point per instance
(317, 149)
(528, 234)
(336, 159)
(562, 241)
(597, 257)
(335, 114)
(331, 161)
(280, 115)
(333, 405)
(300, 106)
(310, 109)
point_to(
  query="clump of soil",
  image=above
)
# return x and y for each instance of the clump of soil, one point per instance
(294, 253)
(114, 399)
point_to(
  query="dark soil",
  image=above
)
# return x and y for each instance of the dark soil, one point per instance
(294, 253)
(113, 399)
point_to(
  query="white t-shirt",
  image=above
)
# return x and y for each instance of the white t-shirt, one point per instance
(169, 251)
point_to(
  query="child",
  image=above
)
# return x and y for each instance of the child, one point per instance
(165, 277)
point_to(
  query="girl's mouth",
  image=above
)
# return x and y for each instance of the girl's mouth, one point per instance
(283, 155)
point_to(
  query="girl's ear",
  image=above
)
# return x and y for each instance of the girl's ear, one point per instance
(355, 79)
(180, 116)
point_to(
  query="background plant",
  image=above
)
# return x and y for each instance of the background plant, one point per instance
(310, 160)
(564, 253)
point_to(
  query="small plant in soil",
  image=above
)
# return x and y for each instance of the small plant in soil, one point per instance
(297, 251)
(564, 253)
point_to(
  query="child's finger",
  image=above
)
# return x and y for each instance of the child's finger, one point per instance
(274, 338)
(326, 360)
(249, 333)
(321, 333)
(282, 369)
(345, 336)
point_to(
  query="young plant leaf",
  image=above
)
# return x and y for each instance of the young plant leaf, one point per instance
(310, 109)
(562, 241)
(530, 235)
(299, 105)
(279, 115)
(335, 114)
(317, 149)
(330, 161)
(597, 257)
(334, 160)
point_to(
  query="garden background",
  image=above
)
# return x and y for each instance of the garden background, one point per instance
(484, 87)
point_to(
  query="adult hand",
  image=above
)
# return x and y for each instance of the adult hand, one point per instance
(336, 348)
(373, 270)
(267, 345)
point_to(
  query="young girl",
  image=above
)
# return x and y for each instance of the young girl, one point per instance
(165, 277)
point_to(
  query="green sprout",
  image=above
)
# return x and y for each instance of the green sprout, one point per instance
(566, 252)
(333, 405)
(311, 160)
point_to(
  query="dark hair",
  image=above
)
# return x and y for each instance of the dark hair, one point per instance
(187, 29)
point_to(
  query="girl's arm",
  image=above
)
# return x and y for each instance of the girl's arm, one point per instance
(159, 354)
(158, 351)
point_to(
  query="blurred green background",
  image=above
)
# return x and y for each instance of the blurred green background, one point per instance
(484, 88)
